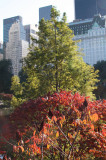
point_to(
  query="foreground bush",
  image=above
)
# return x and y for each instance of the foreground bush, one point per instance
(59, 126)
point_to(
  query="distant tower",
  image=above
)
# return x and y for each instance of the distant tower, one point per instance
(17, 46)
(44, 12)
(31, 31)
(7, 23)
(85, 9)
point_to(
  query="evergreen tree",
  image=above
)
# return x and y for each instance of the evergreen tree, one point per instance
(5, 76)
(100, 92)
(55, 63)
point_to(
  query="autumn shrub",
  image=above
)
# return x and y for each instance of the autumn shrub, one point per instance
(59, 126)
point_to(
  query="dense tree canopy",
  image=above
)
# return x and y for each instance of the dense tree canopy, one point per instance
(101, 89)
(101, 66)
(5, 76)
(55, 63)
(22, 76)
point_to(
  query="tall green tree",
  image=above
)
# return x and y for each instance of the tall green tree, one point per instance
(101, 66)
(55, 63)
(5, 76)
(100, 92)
(22, 76)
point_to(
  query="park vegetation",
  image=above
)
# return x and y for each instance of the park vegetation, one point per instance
(57, 126)
(54, 63)
(55, 113)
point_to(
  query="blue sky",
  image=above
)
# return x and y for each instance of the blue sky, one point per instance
(29, 10)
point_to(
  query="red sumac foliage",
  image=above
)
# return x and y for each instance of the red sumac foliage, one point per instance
(61, 125)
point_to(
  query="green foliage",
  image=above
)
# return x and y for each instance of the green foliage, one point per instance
(16, 86)
(100, 92)
(17, 89)
(5, 76)
(55, 62)
(16, 101)
(22, 76)
(101, 66)
(31, 86)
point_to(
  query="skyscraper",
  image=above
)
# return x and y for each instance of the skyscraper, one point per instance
(85, 9)
(44, 12)
(30, 31)
(7, 23)
(17, 46)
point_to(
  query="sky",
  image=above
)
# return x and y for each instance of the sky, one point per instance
(29, 10)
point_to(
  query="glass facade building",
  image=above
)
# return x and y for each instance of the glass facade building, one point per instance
(85, 9)
(7, 23)
(44, 12)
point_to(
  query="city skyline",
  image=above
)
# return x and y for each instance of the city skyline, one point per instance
(29, 10)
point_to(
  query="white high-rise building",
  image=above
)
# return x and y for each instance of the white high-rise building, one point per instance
(17, 46)
(31, 32)
(91, 34)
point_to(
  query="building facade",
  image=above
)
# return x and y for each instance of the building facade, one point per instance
(7, 23)
(17, 46)
(1, 50)
(44, 12)
(85, 9)
(31, 32)
(92, 35)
